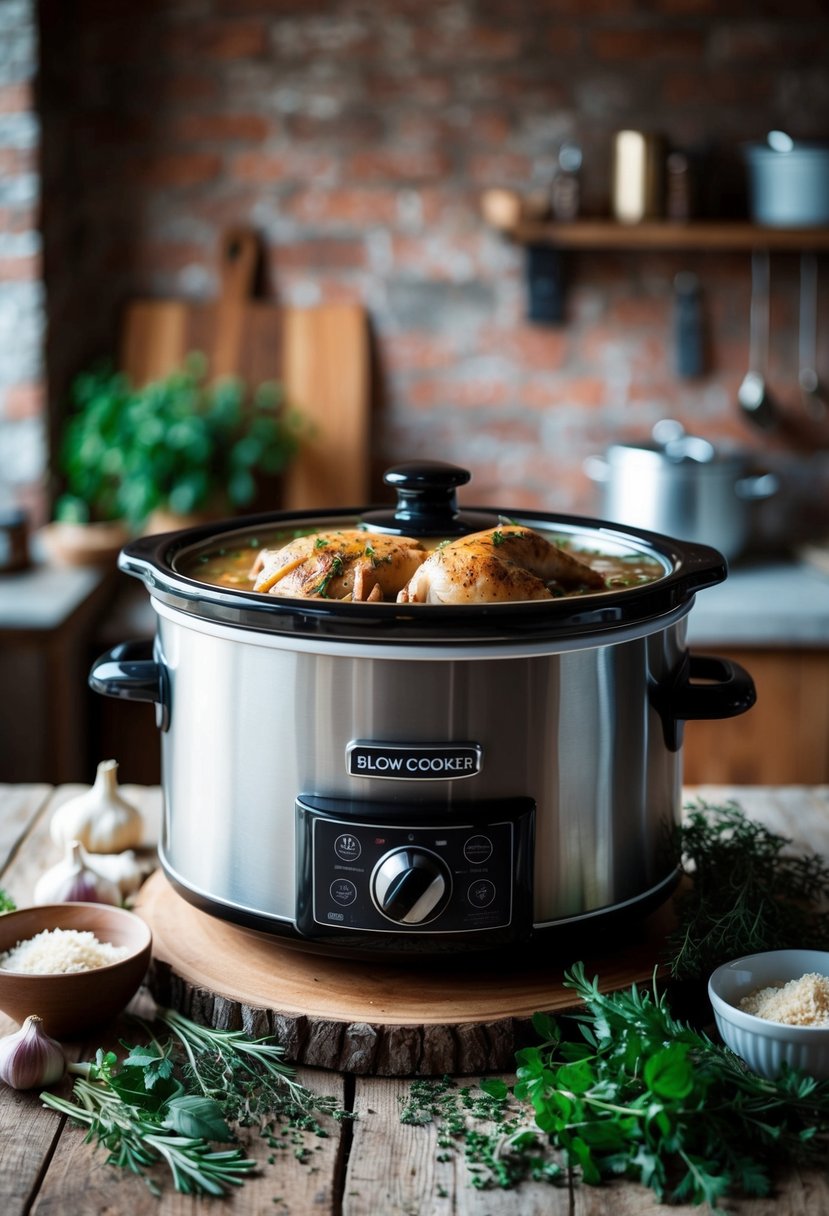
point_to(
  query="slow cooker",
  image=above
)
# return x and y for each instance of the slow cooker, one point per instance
(422, 778)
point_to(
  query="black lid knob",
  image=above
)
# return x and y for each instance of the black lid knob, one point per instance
(427, 503)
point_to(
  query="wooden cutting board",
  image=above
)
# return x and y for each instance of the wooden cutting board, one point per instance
(320, 355)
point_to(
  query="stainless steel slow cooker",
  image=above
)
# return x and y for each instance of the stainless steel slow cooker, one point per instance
(421, 778)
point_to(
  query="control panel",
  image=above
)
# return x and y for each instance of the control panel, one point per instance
(410, 870)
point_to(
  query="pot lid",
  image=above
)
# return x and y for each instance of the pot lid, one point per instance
(169, 565)
(671, 444)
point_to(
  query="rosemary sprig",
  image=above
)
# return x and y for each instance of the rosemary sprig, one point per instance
(167, 1103)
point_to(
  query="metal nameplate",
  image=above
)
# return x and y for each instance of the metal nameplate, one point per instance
(413, 761)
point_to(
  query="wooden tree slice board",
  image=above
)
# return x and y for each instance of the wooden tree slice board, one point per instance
(460, 1015)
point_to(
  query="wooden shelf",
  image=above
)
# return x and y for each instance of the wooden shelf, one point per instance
(699, 235)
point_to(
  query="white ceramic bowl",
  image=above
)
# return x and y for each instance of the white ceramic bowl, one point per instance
(765, 1045)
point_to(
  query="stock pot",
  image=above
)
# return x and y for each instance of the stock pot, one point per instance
(683, 485)
(399, 779)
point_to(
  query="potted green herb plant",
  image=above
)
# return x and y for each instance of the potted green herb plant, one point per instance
(178, 447)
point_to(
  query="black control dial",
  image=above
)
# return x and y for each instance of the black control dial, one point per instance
(411, 886)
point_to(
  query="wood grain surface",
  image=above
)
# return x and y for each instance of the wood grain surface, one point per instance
(375, 1166)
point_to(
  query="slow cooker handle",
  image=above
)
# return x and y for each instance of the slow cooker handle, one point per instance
(728, 690)
(131, 672)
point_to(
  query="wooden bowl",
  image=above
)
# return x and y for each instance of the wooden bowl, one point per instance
(68, 544)
(71, 1004)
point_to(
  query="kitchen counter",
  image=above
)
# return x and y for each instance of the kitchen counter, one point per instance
(372, 1165)
(764, 604)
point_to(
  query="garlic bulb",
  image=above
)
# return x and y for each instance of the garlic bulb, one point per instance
(74, 880)
(29, 1058)
(100, 819)
(124, 869)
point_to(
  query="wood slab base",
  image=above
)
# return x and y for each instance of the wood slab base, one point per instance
(460, 1015)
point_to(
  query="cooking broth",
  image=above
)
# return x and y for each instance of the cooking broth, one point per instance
(230, 563)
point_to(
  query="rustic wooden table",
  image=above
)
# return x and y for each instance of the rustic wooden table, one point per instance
(372, 1166)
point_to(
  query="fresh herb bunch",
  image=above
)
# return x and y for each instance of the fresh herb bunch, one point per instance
(648, 1097)
(169, 1102)
(177, 443)
(744, 894)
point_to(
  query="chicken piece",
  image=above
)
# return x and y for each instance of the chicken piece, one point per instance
(504, 563)
(348, 564)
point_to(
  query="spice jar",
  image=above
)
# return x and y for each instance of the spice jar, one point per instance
(637, 176)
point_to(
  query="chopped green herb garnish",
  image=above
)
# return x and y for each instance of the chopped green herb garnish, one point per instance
(7, 904)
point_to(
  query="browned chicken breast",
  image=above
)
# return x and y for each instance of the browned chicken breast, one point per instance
(343, 565)
(504, 563)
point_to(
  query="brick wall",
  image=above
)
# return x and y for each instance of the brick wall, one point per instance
(357, 137)
(22, 318)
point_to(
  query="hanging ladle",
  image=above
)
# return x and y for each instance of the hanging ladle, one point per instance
(753, 395)
(813, 396)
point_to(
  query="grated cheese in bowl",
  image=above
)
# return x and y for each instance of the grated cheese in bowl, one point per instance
(800, 1002)
(60, 952)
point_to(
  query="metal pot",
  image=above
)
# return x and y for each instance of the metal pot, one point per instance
(421, 778)
(683, 486)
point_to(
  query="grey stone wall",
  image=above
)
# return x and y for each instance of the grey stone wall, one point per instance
(23, 446)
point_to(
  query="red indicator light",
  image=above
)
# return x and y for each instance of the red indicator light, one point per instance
(379, 840)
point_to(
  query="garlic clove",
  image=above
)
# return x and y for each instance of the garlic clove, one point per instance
(125, 869)
(73, 880)
(101, 819)
(29, 1058)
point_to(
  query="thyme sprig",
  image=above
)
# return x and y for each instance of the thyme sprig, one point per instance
(168, 1102)
(747, 891)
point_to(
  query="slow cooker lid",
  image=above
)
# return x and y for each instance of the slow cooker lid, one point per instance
(168, 565)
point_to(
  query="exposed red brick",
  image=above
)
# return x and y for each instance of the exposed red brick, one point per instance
(24, 401)
(222, 40)
(331, 254)
(410, 352)
(424, 88)
(18, 219)
(177, 170)
(16, 98)
(498, 168)
(24, 269)
(645, 45)
(355, 206)
(283, 167)
(16, 161)
(214, 128)
(537, 348)
(396, 164)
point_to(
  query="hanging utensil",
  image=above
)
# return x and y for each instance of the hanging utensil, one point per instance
(753, 394)
(813, 395)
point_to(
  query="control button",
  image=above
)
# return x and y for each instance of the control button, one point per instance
(481, 893)
(347, 847)
(410, 886)
(343, 892)
(477, 850)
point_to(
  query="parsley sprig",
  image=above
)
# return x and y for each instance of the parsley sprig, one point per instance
(168, 1103)
(647, 1096)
